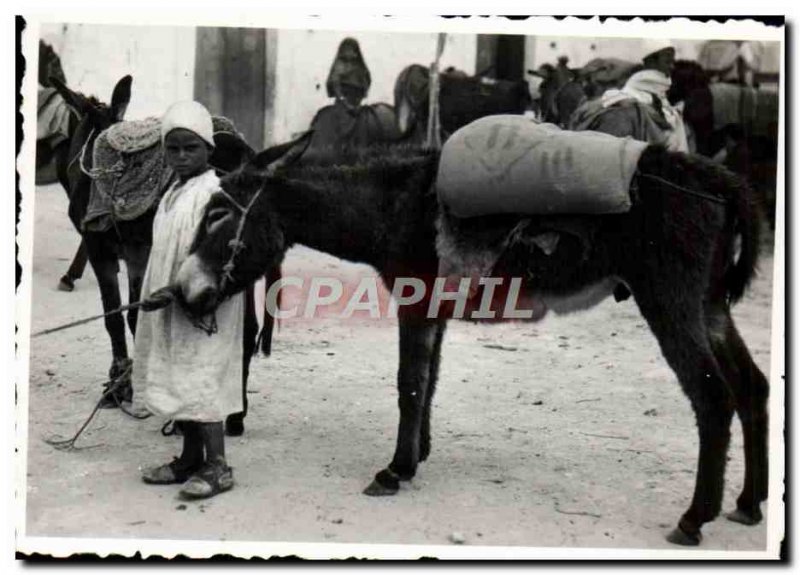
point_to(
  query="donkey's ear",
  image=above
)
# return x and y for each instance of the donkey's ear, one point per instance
(79, 103)
(283, 155)
(121, 97)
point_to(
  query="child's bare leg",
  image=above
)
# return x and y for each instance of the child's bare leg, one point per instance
(192, 454)
(215, 476)
(213, 435)
(180, 468)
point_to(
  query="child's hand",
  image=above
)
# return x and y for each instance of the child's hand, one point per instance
(159, 299)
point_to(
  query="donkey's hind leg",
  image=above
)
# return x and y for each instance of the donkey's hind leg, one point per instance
(75, 271)
(418, 345)
(104, 262)
(105, 265)
(433, 378)
(751, 391)
(234, 423)
(682, 335)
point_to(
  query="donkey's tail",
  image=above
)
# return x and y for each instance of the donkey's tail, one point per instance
(747, 228)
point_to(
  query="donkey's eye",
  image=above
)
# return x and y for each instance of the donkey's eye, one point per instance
(216, 216)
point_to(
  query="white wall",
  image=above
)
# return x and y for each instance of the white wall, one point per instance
(580, 50)
(160, 59)
(304, 59)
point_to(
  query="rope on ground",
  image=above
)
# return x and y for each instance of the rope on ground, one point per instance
(115, 384)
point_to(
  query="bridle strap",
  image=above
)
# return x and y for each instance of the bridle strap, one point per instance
(231, 199)
(237, 245)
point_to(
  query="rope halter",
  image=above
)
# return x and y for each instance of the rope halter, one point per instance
(236, 245)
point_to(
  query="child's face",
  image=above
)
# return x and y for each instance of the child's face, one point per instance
(186, 153)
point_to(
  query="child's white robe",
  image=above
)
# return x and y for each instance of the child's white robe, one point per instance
(179, 371)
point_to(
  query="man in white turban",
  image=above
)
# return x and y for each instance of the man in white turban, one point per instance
(180, 372)
(650, 85)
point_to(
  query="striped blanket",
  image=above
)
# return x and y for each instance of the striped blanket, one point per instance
(756, 111)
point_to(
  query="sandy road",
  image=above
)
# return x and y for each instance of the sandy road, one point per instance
(569, 432)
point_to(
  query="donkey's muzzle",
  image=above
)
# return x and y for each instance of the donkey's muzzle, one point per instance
(205, 301)
(198, 285)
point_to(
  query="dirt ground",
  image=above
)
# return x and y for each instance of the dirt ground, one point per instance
(569, 432)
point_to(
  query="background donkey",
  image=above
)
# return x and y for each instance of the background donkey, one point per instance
(674, 250)
(462, 99)
(750, 140)
(130, 240)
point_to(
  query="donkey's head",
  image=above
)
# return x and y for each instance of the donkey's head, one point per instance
(89, 109)
(240, 236)
(49, 65)
(91, 117)
(687, 77)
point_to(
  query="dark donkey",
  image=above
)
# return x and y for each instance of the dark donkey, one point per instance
(462, 99)
(130, 240)
(674, 250)
(750, 138)
(53, 151)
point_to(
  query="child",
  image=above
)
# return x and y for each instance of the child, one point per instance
(181, 373)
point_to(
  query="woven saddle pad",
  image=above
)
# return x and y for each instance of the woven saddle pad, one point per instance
(130, 173)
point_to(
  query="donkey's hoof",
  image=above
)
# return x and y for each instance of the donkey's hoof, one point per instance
(234, 427)
(385, 483)
(375, 489)
(744, 517)
(681, 537)
(65, 284)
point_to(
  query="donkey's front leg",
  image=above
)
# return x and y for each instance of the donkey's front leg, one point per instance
(418, 351)
(106, 267)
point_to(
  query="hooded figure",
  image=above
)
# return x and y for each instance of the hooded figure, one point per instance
(347, 123)
(349, 78)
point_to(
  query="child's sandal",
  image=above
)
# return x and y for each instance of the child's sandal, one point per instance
(169, 473)
(211, 480)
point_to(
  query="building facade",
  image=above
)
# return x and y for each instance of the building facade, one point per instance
(271, 82)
